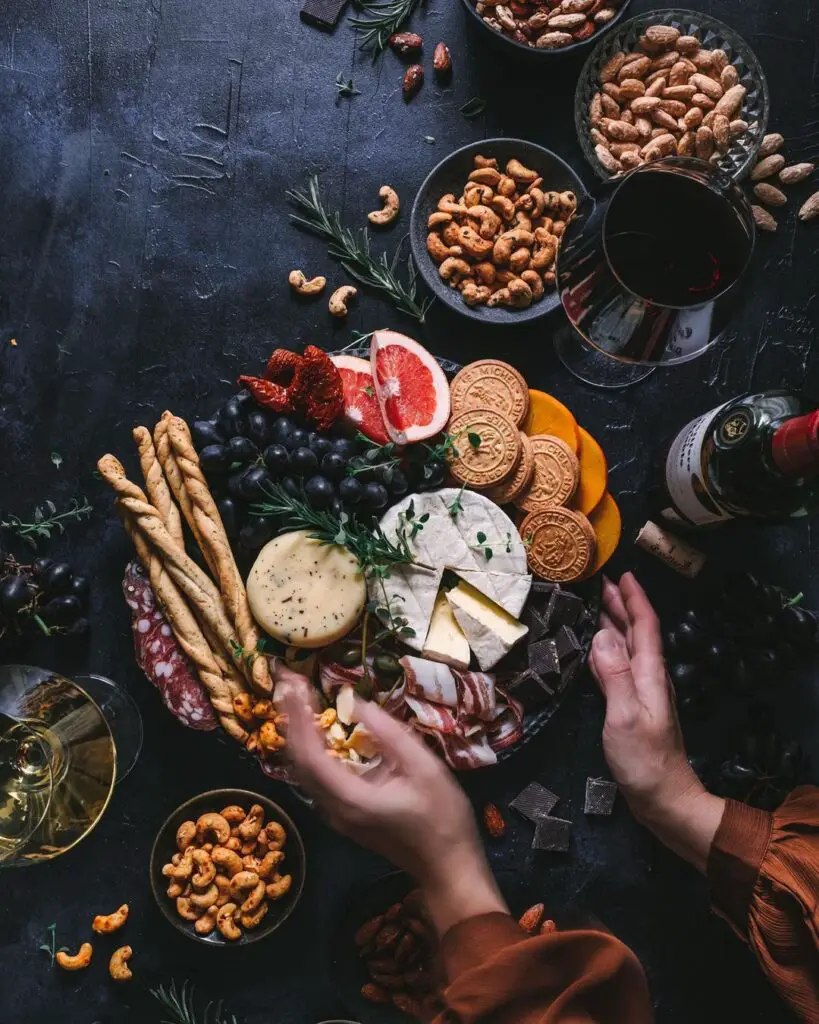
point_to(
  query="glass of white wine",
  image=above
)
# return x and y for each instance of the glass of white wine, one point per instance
(58, 759)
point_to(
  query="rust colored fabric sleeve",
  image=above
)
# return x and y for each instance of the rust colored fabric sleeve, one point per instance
(496, 974)
(764, 875)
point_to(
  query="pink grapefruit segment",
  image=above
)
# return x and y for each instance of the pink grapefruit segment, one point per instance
(411, 388)
(361, 410)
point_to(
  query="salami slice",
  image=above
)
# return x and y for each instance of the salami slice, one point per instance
(161, 658)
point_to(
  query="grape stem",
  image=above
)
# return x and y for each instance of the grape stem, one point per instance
(41, 625)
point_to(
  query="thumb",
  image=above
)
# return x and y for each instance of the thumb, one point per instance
(611, 667)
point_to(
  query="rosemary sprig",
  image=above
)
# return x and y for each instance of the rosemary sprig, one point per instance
(50, 945)
(374, 551)
(384, 18)
(180, 1004)
(46, 519)
(352, 249)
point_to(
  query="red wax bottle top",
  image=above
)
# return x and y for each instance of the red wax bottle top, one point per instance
(795, 445)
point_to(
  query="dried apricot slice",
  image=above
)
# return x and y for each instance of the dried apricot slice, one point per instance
(549, 416)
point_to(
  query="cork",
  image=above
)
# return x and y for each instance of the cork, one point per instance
(676, 553)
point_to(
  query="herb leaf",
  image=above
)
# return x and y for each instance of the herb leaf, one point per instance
(473, 107)
(474, 439)
(345, 87)
(44, 522)
(179, 1003)
(56, 459)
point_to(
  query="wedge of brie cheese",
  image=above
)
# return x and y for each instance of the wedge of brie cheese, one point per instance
(490, 630)
(446, 641)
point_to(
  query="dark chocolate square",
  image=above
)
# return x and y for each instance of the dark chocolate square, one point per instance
(535, 802)
(567, 644)
(529, 689)
(544, 587)
(544, 661)
(600, 796)
(553, 835)
(531, 617)
(565, 609)
(323, 14)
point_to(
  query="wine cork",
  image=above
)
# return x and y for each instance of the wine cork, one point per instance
(676, 553)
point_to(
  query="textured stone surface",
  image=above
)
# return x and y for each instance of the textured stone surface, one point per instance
(144, 251)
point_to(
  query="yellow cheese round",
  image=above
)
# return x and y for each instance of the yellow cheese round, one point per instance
(305, 593)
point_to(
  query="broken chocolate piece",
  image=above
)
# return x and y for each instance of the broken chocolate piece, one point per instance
(567, 645)
(564, 609)
(552, 834)
(529, 689)
(543, 587)
(531, 618)
(323, 14)
(535, 802)
(543, 660)
(600, 795)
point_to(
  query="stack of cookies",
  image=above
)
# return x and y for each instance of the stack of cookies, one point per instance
(539, 473)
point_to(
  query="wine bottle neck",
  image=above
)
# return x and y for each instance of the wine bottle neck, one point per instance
(795, 446)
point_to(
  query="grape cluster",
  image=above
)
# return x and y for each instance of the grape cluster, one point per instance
(46, 594)
(745, 634)
(245, 448)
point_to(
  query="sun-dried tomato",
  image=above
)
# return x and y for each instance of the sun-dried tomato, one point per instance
(272, 396)
(325, 391)
(288, 369)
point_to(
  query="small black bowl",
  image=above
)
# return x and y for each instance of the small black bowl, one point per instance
(451, 175)
(514, 48)
(214, 800)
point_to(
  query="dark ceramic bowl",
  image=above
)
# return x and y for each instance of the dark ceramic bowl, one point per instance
(516, 49)
(165, 847)
(450, 176)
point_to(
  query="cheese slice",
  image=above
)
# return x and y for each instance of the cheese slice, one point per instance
(409, 592)
(445, 640)
(304, 593)
(507, 589)
(490, 630)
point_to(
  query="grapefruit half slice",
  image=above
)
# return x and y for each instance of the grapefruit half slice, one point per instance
(361, 410)
(411, 388)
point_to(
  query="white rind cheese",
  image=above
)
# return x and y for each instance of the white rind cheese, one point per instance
(445, 640)
(507, 589)
(409, 592)
(304, 593)
(490, 631)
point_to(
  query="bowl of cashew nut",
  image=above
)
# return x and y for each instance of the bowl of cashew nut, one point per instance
(486, 226)
(227, 867)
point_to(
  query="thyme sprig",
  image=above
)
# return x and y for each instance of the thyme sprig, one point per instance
(352, 249)
(383, 18)
(50, 945)
(47, 519)
(180, 1003)
(372, 548)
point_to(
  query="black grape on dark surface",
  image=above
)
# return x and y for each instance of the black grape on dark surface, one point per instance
(433, 476)
(375, 497)
(291, 487)
(231, 419)
(351, 490)
(296, 439)
(229, 512)
(255, 482)
(242, 450)
(344, 447)
(395, 481)
(214, 458)
(281, 430)
(60, 611)
(334, 466)
(319, 492)
(206, 432)
(319, 444)
(15, 592)
(258, 427)
(39, 566)
(277, 460)
(304, 462)
(57, 578)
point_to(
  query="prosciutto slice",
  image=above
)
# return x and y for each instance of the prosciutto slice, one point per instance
(161, 658)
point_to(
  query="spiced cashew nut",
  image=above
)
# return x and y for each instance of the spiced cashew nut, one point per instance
(227, 859)
(253, 920)
(509, 241)
(300, 284)
(206, 923)
(225, 923)
(243, 880)
(254, 898)
(490, 222)
(279, 886)
(233, 814)
(80, 959)
(204, 900)
(207, 869)
(214, 825)
(515, 169)
(276, 835)
(103, 924)
(390, 209)
(339, 299)
(439, 250)
(252, 825)
(185, 835)
(118, 964)
(454, 270)
(475, 294)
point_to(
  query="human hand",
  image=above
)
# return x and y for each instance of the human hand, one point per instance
(409, 809)
(642, 739)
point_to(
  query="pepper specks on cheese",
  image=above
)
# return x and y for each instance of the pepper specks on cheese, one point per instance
(305, 593)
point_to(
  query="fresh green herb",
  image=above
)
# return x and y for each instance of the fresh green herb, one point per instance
(481, 536)
(455, 505)
(444, 449)
(352, 249)
(180, 1004)
(473, 107)
(345, 88)
(46, 520)
(527, 540)
(373, 549)
(482, 546)
(383, 18)
(430, 140)
(369, 391)
(474, 439)
(50, 945)
(56, 459)
(795, 600)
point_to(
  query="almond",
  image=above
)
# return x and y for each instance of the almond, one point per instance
(713, 90)
(719, 129)
(493, 821)
(731, 101)
(768, 166)
(729, 77)
(681, 93)
(795, 173)
(442, 59)
(413, 80)
(810, 208)
(631, 88)
(688, 44)
(770, 195)
(552, 40)
(619, 131)
(662, 35)
(704, 143)
(566, 22)
(770, 144)
(763, 220)
(612, 165)
(406, 44)
(645, 105)
(634, 68)
(530, 919)
(608, 72)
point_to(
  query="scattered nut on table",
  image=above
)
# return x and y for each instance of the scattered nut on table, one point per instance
(405, 44)
(104, 924)
(299, 283)
(390, 208)
(339, 299)
(496, 243)
(412, 81)
(79, 960)
(219, 889)
(118, 964)
(442, 60)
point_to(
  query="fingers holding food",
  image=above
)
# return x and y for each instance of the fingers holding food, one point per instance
(104, 924)
(118, 964)
(78, 961)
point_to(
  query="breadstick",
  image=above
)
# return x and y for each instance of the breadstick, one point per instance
(212, 533)
(156, 485)
(167, 460)
(185, 573)
(221, 691)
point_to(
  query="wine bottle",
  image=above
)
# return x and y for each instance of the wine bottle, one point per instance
(756, 457)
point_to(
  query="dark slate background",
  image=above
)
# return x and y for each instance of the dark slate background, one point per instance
(144, 250)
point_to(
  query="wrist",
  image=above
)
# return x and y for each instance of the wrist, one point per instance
(686, 822)
(459, 886)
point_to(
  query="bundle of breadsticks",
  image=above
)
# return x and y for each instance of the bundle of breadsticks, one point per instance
(209, 615)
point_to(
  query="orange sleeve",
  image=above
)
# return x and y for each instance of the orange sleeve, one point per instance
(764, 875)
(496, 974)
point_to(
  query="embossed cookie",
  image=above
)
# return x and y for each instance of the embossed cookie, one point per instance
(507, 492)
(488, 445)
(555, 476)
(490, 384)
(560, 544)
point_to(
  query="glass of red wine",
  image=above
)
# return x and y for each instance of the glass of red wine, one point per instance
(648, 270)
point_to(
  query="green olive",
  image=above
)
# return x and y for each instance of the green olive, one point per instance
(387, 665)
(351, 656)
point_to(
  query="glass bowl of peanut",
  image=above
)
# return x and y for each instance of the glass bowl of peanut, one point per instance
(671, 82)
